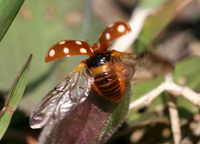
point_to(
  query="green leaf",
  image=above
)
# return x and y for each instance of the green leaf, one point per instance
(150, 4)
(14, 97)
(117, 116)
(93, 121)
(36, 30)
(8, 11)
(155, 23)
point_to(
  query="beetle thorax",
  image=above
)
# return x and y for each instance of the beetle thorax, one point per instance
(98, 59)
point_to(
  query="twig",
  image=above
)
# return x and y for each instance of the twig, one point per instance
(170, 87)
(136, 23)
(174, 118)
(176, 91)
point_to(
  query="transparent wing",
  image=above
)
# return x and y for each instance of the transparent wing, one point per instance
(63, 98)
(138, 68)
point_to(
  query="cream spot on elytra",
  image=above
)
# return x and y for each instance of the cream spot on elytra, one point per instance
(100, 35)
(52, 53)
(83, 50)
(121, 28)
(62, 42)
(66, 50)
(98, 44)
(111, 25)
(78, 42)
(107, 36)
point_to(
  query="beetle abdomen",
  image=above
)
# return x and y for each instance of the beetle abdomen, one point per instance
(108, 86)
(107, 80)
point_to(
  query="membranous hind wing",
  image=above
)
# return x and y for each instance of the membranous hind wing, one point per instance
(139, 68)
(150, 66)
(68, 94)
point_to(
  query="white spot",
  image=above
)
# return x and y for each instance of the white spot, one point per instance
(107, 36)
(52, 53)
(98, 45)
(83, 50)
(78, 42)
(111, 25)
(100, 35)
(66, 50)
(121, 28)
(62, 42)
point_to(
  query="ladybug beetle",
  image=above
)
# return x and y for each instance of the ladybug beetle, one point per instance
(105, 71)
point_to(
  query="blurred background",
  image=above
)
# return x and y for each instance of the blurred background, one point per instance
(42, 23)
